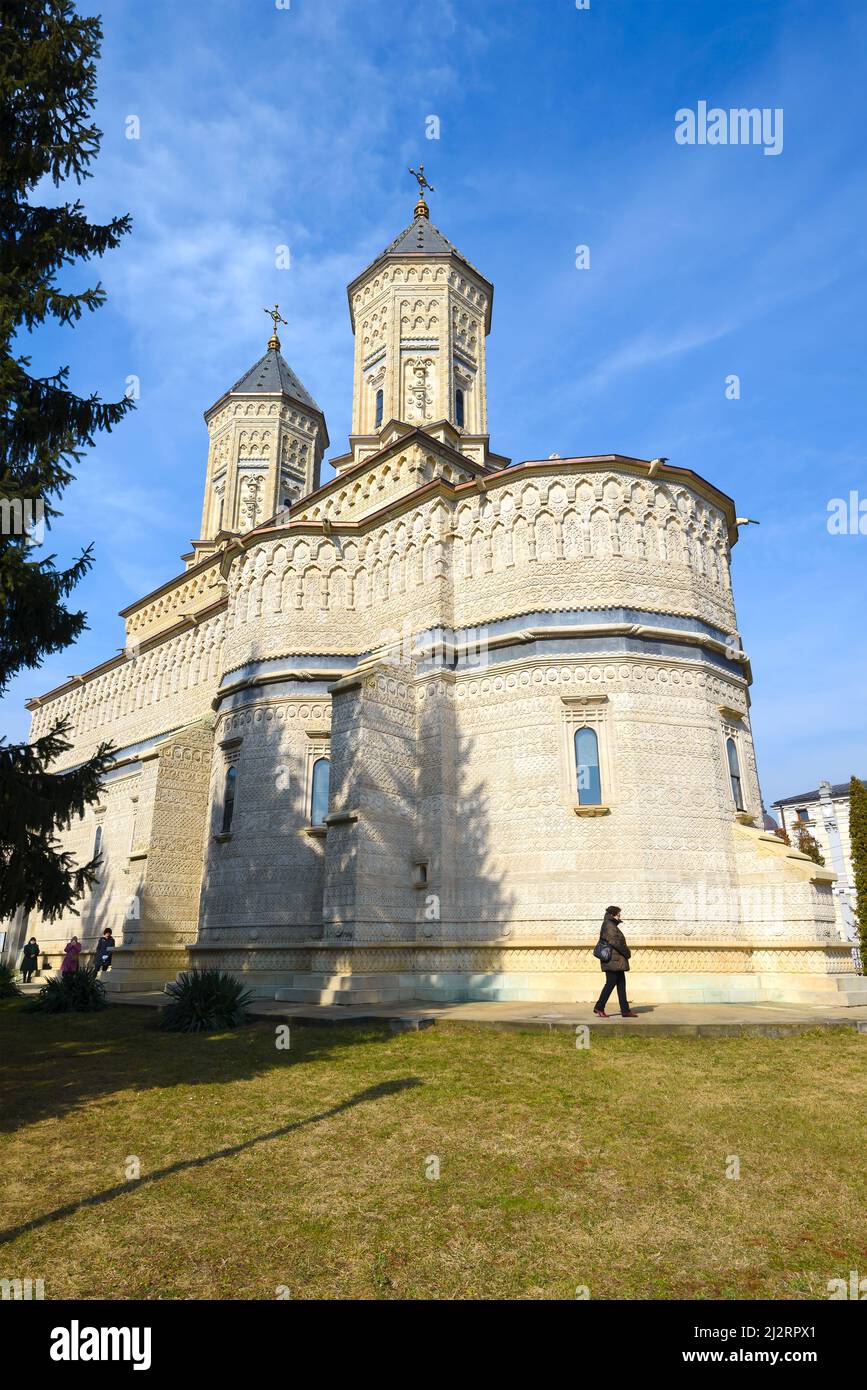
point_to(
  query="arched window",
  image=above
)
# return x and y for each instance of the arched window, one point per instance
(379, 403)
(229, 799)
(735, 773)
(319, 791)
(459, 408)
(587, 768)
(97, 844)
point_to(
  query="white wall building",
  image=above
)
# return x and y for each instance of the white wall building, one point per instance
(825, 814)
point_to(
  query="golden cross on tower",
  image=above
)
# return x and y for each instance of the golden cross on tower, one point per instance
(421, 207)
(276, 317)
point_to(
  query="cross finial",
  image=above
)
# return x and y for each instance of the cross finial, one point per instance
(421, 208)
(276, 317)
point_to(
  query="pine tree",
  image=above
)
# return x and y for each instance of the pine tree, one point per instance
(47, 94)
(858, 841)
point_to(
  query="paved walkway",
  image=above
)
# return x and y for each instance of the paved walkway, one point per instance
(654, 1020)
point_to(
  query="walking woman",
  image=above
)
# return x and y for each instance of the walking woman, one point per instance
(616, 966)
(71, 952)
(29, 960)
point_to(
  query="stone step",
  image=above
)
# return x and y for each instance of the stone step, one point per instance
(320, 979)
(847, 984)
(851, 995)
(347, 997)
(295, 995)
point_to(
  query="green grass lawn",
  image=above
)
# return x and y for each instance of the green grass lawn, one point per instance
(306, 1168)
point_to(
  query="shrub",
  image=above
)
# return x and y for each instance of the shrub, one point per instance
(809, 845)
(8, 988)
(203, 1001)
(81, 992)
(858, 838)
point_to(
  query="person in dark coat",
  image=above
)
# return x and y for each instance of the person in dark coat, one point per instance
(29, 960)
(616, 966)
(104, 948)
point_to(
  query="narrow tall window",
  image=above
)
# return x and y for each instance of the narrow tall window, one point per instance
(379, 403)
(97, 845)
(319, 791)
(587, 768)
(229, 799)
(459, 408)
(735, 773)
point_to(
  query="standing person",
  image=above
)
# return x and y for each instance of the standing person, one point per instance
(615, 968)
(104, 948)
(29, 959)
(71, 952)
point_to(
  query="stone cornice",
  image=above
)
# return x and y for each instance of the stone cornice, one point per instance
(299, 674)
(437, 487)
(147, 644)
(211, 942)
(193, 572)
(483, 483)
(622, 462)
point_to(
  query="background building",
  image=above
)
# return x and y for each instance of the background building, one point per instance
(825, 814)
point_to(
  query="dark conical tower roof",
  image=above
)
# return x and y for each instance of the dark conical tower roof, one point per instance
(421, 238)
(270, 374)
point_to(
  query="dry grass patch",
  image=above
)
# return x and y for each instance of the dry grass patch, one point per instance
(306, 1167)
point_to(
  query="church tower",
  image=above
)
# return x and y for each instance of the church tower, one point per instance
(420, 315)
(267, 439)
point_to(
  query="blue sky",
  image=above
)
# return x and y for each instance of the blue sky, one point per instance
(263, 126)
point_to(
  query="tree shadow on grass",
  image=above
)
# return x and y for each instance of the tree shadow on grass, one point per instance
(378, 1092)
(53, 1066)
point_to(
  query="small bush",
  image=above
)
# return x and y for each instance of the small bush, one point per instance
(8, 988)
(80, 992)
(204, 1001)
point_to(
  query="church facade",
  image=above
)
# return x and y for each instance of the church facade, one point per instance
(406, 733)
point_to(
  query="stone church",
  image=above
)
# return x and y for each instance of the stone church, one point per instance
(407, 732)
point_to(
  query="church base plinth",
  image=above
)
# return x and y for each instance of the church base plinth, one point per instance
(138, 970)
(364, 972)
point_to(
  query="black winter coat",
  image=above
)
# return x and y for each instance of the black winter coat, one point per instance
(620, 954)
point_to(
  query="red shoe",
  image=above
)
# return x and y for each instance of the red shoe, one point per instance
(630, 1014)
(600, 1013)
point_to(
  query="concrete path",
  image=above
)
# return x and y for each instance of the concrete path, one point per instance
(654, 1020)
(661, 1020)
